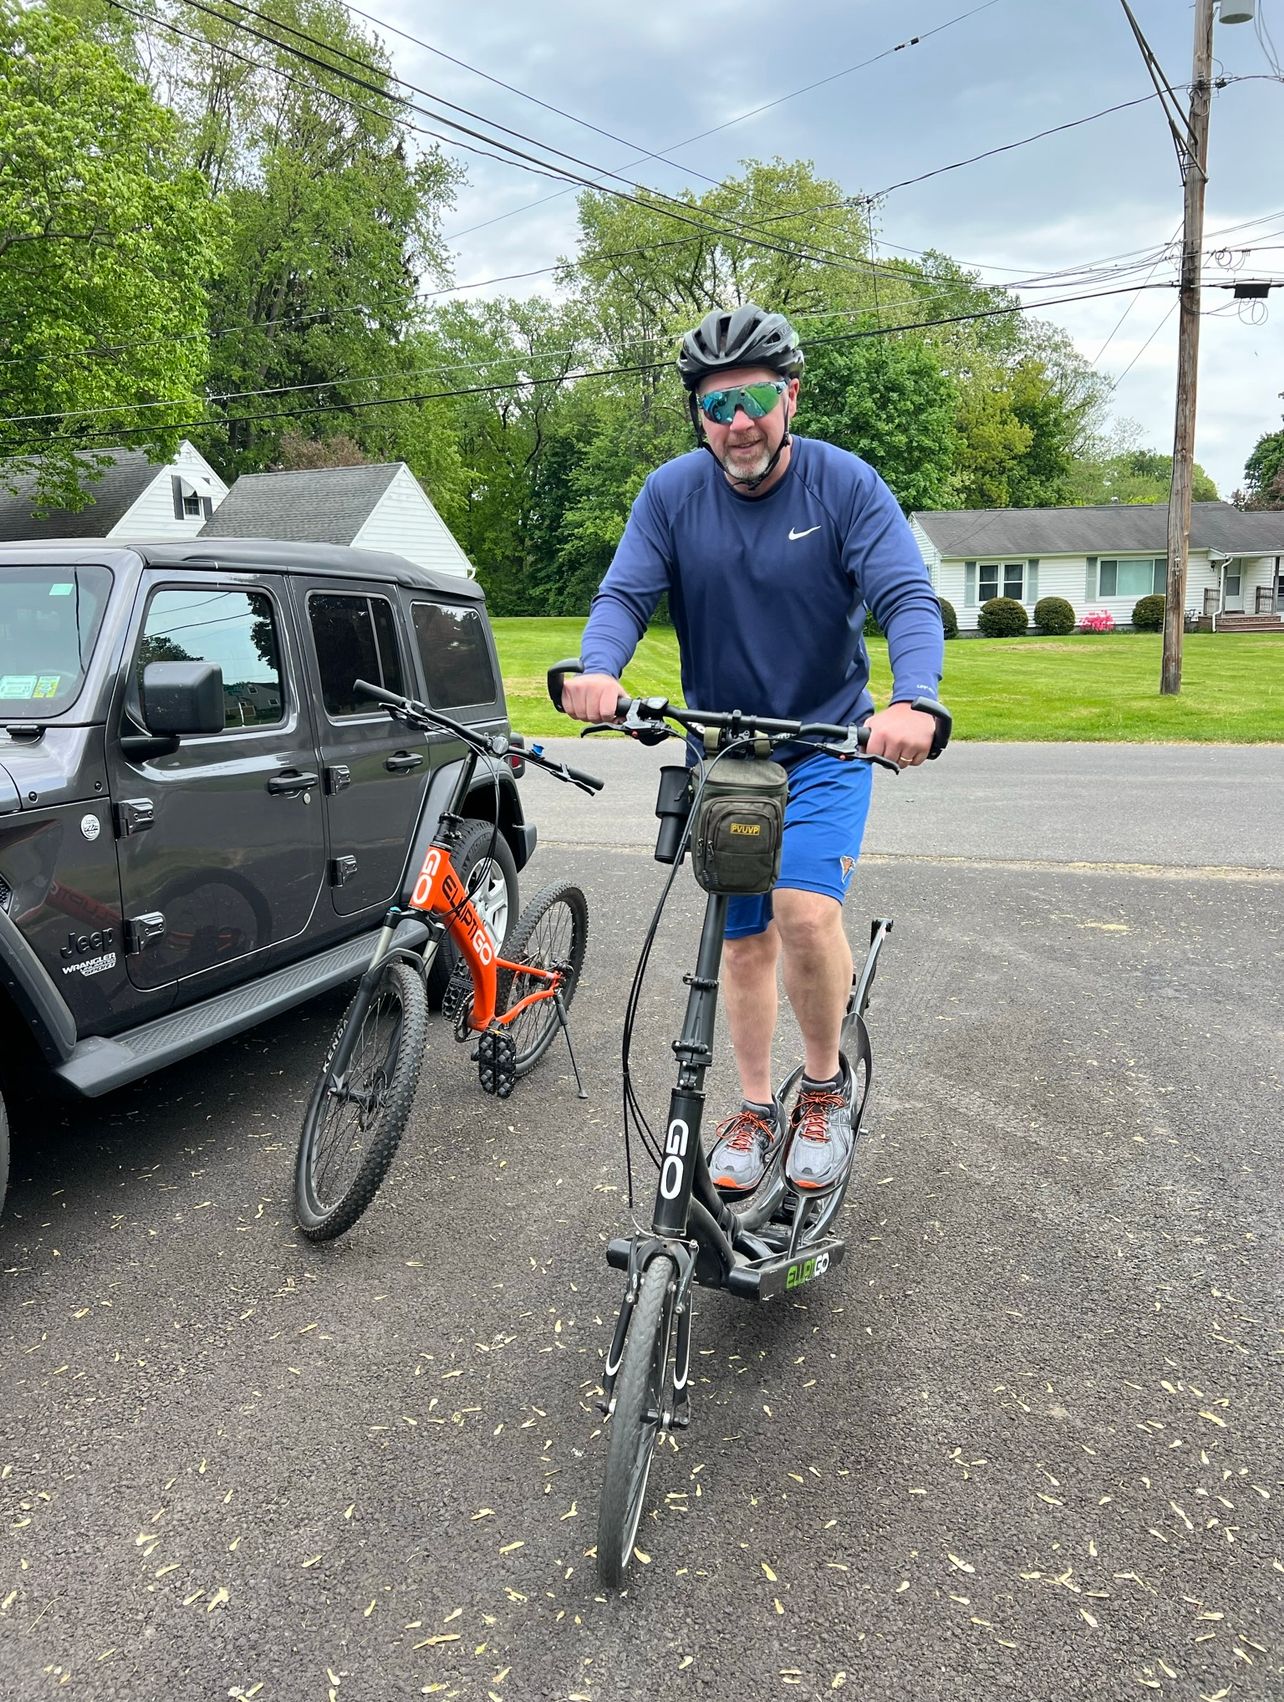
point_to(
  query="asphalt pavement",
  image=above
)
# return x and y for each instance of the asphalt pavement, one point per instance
(1025, 1440)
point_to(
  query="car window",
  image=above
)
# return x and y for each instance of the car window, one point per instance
(355, 639)
(452, 647)
(236, 629)
(49, 619)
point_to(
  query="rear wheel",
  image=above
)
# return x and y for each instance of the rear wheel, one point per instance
(491, 874)
(551, 933)
(354, 1121)
(636, 1423)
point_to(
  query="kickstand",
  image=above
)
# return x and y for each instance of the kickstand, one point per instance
(566, 1030)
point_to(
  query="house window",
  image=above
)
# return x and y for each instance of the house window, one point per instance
(355, 639)
(236, 629)
(1144, 578)
(191, 504)
(1000, 579)
(452, 647)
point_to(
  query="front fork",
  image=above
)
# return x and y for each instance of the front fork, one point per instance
(364, 995)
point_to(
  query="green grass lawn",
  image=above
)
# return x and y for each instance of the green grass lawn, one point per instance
(1085, 686)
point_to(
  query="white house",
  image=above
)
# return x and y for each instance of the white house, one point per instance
(132, 497)
(1105, 558)
(381, 507)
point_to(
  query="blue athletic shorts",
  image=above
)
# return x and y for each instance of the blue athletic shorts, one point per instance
(824, 825)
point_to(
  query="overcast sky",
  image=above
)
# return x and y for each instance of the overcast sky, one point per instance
(661, 73)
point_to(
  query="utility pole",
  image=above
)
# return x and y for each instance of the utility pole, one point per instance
(1196, 175)
(1190, 134)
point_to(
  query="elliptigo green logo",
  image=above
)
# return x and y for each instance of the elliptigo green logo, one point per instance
(807, 1269)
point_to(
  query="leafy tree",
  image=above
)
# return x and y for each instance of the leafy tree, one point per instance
(107, 246)
(888, 400)
(1264, 472)
(1118, 468)
(332, 217)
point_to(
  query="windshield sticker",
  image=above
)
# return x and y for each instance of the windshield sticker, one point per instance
(17, 685)
(47, 685)
(61, 590)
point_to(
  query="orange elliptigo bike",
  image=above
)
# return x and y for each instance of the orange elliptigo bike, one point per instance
(513, 1003)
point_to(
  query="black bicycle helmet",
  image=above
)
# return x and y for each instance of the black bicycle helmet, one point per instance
(744, 336)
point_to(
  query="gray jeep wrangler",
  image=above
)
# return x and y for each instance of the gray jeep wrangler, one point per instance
(181, 856)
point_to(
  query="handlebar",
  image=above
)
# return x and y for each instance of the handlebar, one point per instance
(499, 745)
(643, 717)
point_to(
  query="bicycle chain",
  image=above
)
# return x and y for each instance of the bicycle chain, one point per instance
(496, 1062)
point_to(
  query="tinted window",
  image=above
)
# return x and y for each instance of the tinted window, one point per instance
(355, 639)
(452, 647)
(236, 629)
(48, 622)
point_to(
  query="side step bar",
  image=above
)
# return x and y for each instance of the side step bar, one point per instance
(98, 1065)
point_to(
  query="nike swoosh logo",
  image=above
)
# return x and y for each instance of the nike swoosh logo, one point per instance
(794, 536)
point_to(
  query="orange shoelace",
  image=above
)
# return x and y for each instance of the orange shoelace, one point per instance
(738, 1131)
(811, 1118)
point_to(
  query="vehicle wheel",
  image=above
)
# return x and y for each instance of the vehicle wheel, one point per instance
(4, 1153)
(551, 932)
(495, 899)
(352, 1128)
(635, 1423)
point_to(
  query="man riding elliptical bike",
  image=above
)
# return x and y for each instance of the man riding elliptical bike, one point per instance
(771, 548)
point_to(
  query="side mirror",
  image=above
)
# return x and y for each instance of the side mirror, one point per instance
(182, 698)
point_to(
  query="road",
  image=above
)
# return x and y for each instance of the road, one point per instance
(1025, 1441)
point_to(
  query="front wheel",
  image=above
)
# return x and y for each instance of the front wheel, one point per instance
(354, 1120)
(636, 1420)
(551, 933)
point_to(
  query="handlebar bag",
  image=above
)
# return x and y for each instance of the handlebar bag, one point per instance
(738, 825)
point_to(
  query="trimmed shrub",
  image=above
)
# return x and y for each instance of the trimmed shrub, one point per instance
(1054, 615)
(872, 628)
(1003, 617)
(1148, 614)
(949, 620)
(1097, 620)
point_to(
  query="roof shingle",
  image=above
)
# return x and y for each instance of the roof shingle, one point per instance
(326, 505)
(1123, 528)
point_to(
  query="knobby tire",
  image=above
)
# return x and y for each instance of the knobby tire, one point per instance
(553, 929)
(345, 1147)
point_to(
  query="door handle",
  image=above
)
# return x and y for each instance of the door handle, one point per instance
(402, 761)
(291, 781)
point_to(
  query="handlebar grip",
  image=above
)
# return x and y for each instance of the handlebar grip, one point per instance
(557, 678)
(363, 688)
(581, 779)
(944, 723)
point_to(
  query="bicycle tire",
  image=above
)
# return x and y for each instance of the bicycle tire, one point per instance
(341, 1162)
(4, 1153)
(553, 929)
(635, 1420)
(495, 907)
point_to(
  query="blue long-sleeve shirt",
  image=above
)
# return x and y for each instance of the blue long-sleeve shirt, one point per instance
(768, 594)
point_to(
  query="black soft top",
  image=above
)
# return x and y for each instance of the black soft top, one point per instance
(244, 555)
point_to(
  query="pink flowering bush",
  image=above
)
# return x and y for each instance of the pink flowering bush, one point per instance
(1097, 620)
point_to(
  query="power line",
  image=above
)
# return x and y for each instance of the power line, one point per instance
(1141, 351)
(208, 424)
(740, 118)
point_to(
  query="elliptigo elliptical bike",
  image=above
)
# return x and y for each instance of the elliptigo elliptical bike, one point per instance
(779, 1239)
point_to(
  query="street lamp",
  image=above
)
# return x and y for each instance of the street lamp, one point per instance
(1190, 133)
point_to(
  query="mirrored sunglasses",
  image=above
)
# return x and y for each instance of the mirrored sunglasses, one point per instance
(756, 400)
